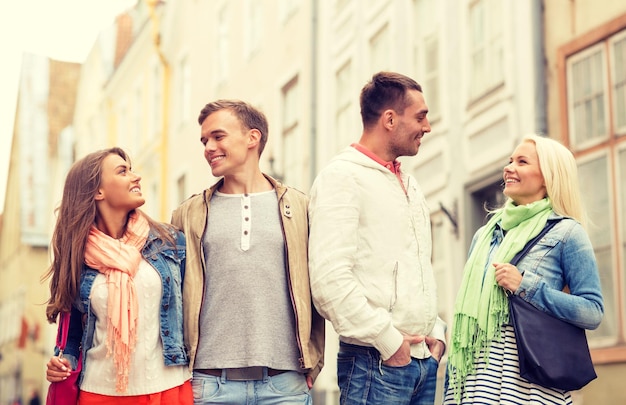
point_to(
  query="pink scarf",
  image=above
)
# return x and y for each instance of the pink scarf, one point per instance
(118, 260)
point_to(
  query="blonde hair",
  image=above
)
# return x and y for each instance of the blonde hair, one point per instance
(560, 174)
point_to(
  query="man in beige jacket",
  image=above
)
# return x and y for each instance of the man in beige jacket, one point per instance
(252, 332)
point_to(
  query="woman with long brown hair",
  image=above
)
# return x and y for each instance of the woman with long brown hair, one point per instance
(119, 273)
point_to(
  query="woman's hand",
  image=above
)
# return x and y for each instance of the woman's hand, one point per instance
(58, 369)
(508, 276)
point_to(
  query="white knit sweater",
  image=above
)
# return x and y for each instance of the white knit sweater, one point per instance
(147, 374)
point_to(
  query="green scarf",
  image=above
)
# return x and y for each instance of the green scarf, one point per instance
(481, 306)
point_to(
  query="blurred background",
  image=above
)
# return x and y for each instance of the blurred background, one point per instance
(136, 74)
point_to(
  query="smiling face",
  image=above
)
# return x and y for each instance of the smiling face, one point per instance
(411, 127)
(119, 189)
(228, 146)
(523, 180)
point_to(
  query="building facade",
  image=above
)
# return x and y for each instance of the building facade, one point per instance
(491, 71)
(586, 60)
(47, 93)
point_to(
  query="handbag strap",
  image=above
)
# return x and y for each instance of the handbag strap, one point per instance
(532, 242)
(64, 326)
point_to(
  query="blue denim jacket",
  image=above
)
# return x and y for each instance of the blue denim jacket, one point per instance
(563, 257)
(169, 262)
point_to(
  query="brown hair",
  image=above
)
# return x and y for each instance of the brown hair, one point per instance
(250, 117)
(76, 215)
(386, 90)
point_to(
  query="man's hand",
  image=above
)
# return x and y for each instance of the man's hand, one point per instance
(437, 347)
(402, 356)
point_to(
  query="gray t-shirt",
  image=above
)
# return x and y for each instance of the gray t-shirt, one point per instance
(247, 317)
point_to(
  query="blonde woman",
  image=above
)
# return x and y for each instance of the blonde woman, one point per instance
(541, 184)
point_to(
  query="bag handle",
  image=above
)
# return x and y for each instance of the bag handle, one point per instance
(532, 242)
(64, 326)
(528, 246)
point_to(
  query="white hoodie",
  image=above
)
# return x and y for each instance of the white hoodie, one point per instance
(369, 255)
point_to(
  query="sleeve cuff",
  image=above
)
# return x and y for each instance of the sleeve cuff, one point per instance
(388, 342)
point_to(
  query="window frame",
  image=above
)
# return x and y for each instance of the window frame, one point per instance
(620, 36)
(585, 54)
(491, 75)
(613, 351)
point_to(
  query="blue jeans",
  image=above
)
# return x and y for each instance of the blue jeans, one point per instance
(286, 388)
(364, 380)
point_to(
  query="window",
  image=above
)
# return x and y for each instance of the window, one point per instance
(340, 5)
(618, 70)
(124, 137)
(587, 104)
(223, 44)
(595, 76)
(593, 175)
(33, 130)
(288, 8)
(155, 100)
(426, 54)
(485, 46)
(431, 75)
(137, 120)
(380, 50)
(622, 212)
(184, 90)
(253, 28)
(291, 144)
(344, 128)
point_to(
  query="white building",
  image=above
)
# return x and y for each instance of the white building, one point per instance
(482, 65)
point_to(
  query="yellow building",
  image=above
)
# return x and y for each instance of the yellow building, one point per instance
(47, 93)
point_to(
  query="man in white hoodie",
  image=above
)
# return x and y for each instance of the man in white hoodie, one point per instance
(370, 250)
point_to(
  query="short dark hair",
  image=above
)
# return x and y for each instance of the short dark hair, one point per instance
(250, 117)
(385, 90)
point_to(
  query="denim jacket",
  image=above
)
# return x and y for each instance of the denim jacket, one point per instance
(564, 257)
(169, 262)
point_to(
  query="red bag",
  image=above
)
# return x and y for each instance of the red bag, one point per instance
(64, 392)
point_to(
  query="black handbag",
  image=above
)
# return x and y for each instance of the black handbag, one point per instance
(552, 353)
